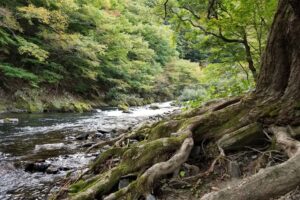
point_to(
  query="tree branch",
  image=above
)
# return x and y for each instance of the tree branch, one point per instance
(166, 7)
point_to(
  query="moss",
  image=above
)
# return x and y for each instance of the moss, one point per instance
(81, 107)
(113, 152)
(35, 107)
(31, 106)
(123, 107)
(271, 111)
(242, 137)
(163, 129)
(135, 158)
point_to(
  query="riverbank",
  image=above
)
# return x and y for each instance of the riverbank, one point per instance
(43, 101)
(42, 149)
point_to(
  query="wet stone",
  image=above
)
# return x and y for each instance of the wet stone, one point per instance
(36, 167)
(123, 183)
(83, 136)
(61, 155)
(150, 197)
(154, 107)
(88, 144)
(52, 170)
(103, 131)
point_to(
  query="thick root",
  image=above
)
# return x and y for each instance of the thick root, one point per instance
(273, 181)
(228, 125)
(133, 160)
(143, 185)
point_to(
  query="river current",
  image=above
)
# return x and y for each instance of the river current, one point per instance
(58, 141)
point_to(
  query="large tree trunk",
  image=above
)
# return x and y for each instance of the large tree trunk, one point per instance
(280, 70)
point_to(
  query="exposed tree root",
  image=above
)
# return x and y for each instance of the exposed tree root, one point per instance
(273, 181)
(165, 146)
(143, 185)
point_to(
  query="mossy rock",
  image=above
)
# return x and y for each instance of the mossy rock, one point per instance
(123, 107)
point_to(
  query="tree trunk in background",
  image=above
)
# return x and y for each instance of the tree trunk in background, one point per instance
(280, 71)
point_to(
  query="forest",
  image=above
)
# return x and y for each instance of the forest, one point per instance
(75, 55)
(231, 69)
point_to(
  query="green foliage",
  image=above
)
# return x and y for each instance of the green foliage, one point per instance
(177, 75)
(221, 31)
(32, 49)
(124, 51)
(218, 81)
(90, 48)
(14, 72)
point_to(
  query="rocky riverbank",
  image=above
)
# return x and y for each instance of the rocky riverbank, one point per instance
(42, 149)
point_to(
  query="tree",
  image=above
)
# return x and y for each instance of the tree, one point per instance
(240, 23)
(224, 125)
(91, 49)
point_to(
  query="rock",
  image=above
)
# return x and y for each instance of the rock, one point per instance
(103, 131)
(123, 107)
(88, 144)
(36, 167)
(48, 147)
(150, 197)
(154, 107)
(52, 170)
(83, 136)
(9, 121)
(234, 169)
(123, 183)
(64, 168)
(127, 111)
(126, 180)
(132, 141)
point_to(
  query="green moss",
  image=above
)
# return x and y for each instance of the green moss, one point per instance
(124, 107)
(242, 137)
(113, 152)
(271, 111)
(163, 129)
(35, 107)
(81, 107)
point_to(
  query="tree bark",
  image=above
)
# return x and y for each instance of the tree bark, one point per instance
(280, 70)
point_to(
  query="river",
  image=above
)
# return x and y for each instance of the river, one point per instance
(55, 144)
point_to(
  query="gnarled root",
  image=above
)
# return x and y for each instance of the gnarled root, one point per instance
(143, 185)
(272, 181)
(166, 146)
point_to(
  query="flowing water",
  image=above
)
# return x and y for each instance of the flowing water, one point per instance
(57, 140)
